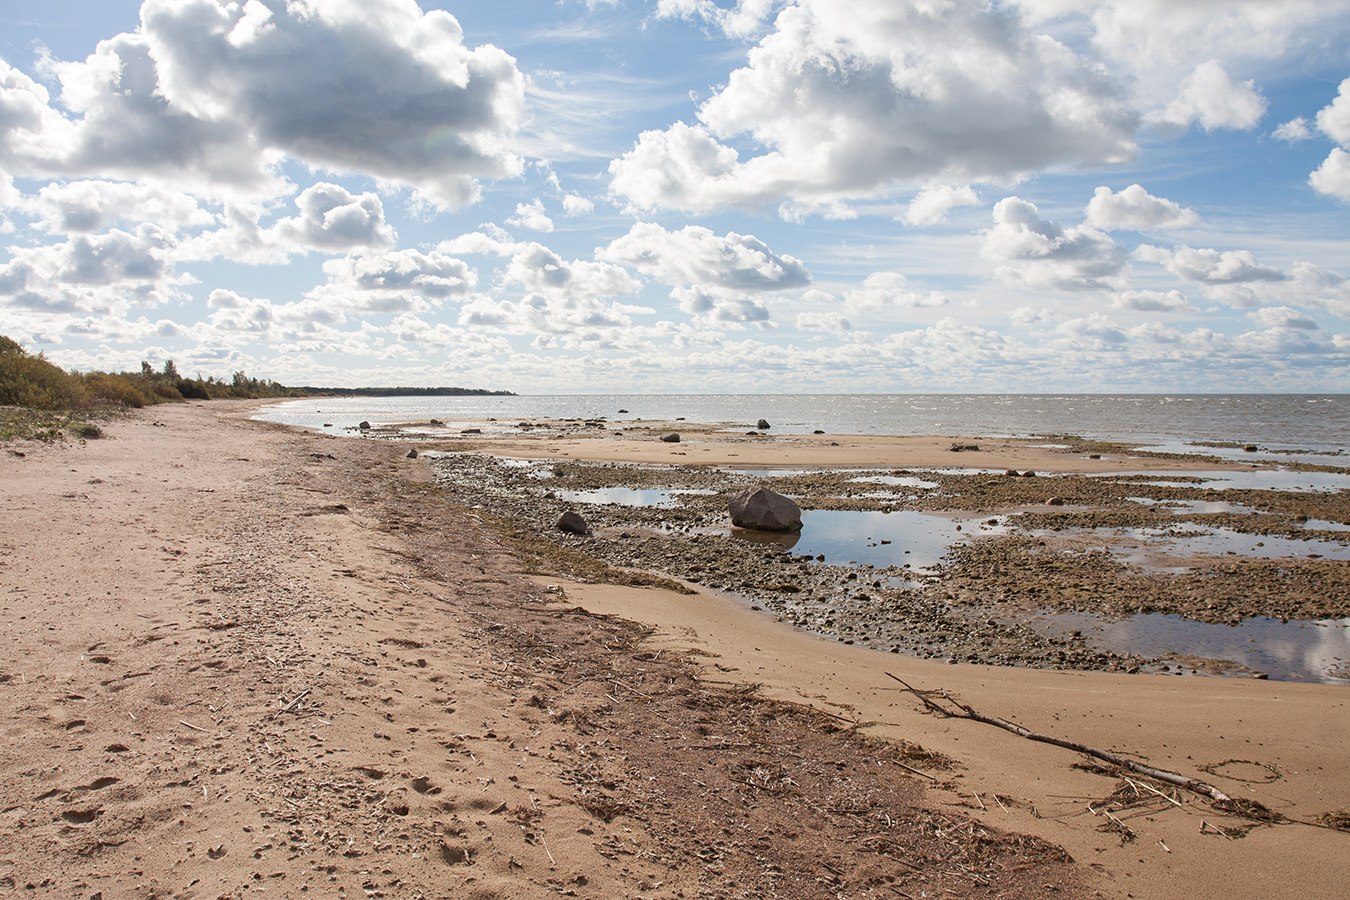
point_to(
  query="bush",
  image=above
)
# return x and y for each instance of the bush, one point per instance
(31, 381)
(87, 430)
(114, 389)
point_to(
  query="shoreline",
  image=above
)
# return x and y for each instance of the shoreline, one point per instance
(319, 670)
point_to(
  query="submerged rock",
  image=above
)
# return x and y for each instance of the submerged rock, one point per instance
(761, 509)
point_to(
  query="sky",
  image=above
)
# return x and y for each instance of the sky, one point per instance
(683, 196)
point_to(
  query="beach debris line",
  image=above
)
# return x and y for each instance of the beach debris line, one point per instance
(958, 710)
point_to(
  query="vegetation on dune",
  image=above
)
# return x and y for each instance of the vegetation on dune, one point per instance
(42, 401)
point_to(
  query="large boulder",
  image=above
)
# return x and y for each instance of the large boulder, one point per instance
(765, 510)
(573, 522)
(672, 438)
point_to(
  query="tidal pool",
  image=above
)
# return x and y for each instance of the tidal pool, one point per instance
(868, 538)
(1285, 651)
(622, 496)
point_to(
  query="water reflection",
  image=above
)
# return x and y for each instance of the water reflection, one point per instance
(903, 538)
(1286, 651)
(1250, 480)
(622, 496)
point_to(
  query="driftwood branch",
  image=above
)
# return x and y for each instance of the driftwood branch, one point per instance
(959, 710)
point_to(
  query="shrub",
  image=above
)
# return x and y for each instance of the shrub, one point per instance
(32, 381)
(114, 389)
(87, 430)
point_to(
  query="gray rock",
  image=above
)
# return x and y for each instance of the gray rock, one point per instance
(573, 523)
(364, 426)
(764, 510)
(763, 425)
(412, 454)
(672, 438)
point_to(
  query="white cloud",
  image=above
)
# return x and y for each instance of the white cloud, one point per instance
(1210, 267)
(1333, 176)
(1282, 317)
(1152, 301)
(541, 271)
(1135, 209)
(848, 101)
(1039, 253)
(890, 290)
(1293, 131)
(103, 274)
(714, 307)
(577, 205)
(1210, 96)
(85, 207)
(393, 282)
(931, 205)
(209, 97)
(695, 256)
(1334, 119)
(1095, 332)
(332, 218)
(823, 322)
(532, 216)
(1158, 43)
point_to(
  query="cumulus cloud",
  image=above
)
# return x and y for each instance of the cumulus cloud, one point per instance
(577, 205)
(540, 270)
(1293, 131)
(1210, 267)
(823, 322)
(1334, 119)
(1209, 96)
(695, 255)
(1039, 253)
(1333, 176)
(847, 101)
(332, 218)
(1152, 301)
(211, 96)
(1135, 209)
(532, 216)
(97, 274)
(1157, 43)
(931, 205)
(393, 282)
(85, 207)
(890, 290)
(1282, 317)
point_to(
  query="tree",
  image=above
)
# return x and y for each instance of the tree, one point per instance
(170, 370)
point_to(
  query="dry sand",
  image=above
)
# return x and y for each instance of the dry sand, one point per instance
(241, 659)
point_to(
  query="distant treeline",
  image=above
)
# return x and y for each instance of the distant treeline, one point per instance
(403, 392)
(30, 380)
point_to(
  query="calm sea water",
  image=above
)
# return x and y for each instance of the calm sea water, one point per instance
(1316, 422)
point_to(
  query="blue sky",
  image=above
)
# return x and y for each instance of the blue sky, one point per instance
(683, 195)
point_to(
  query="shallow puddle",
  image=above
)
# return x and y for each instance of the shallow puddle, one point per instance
(1252, 480)
(866, 538)
(1285, 651)
(622, 496)
(1170, 549)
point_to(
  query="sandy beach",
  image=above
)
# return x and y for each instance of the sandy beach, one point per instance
(243, 659)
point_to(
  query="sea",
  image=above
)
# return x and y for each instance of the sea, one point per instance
(1277, 423)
